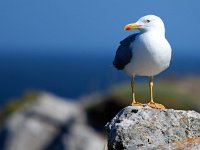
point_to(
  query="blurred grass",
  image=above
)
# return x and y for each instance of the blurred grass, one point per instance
(166, 93)
(15, 104)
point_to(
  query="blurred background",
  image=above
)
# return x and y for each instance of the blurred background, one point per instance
(66, 48)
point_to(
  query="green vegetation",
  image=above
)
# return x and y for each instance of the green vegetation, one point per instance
(165, 93)
(15, 104)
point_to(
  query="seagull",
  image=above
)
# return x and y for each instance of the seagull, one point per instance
(146, 53)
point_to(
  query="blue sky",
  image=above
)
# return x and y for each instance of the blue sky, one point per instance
(93, 24)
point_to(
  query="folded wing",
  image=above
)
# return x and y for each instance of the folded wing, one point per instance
(124, 52)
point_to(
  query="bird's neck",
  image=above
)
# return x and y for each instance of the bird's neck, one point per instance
(159, 33)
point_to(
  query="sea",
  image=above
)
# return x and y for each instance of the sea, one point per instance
(71, 73)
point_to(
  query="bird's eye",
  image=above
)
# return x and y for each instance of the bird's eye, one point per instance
(148, 21)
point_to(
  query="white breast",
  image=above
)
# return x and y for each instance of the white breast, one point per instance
(151, 54)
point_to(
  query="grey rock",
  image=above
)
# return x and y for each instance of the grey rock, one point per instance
(50, 123)
(146, 128)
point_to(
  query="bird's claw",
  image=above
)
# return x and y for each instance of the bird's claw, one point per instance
(136, 104)
(156, 105)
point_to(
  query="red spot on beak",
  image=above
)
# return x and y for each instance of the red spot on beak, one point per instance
(127, 28)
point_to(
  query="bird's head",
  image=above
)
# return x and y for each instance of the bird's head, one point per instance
(147, 23)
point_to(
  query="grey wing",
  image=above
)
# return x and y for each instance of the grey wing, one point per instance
(124, 52)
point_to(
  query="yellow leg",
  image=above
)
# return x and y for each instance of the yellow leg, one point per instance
(151, 89)
(152, 103)
(134, 103)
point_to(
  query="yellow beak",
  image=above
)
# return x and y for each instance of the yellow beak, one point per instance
(131, 26)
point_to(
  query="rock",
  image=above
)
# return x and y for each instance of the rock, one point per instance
(50, 123)
(187, 144)
(146, 128)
